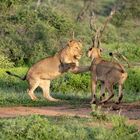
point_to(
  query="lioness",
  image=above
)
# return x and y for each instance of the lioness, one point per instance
(108, 72)
(41, 73)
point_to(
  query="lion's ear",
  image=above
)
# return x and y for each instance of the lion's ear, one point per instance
(69, 43)
(81, 40)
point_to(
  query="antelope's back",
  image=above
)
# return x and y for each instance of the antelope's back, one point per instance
(108, 67)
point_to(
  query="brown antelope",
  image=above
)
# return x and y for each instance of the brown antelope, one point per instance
(108, 73)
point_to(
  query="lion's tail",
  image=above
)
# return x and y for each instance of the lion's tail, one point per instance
(12, 74)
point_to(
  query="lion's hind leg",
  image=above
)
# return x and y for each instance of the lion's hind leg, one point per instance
(33, 84)
(45, 86)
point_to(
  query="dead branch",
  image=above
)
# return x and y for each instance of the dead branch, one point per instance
(107, 21)
(83, 11)
(88, 6)
(99, 31)
(92, 21)
(38, 4)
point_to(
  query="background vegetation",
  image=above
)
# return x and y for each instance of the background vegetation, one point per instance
(29, 32)
(33, 29)
(60, 128)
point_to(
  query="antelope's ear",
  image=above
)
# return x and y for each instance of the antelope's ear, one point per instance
(101, 50)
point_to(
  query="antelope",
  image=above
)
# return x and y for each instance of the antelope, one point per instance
(107, 72)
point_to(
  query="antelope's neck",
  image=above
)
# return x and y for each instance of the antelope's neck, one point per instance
(96, 60)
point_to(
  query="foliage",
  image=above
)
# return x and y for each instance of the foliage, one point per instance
(28, 35)
(127, 9)
(98, 114)
(36, 127)
(131, 86)
(71, 82)
(71, 87)
(5, 62)
(121, 130)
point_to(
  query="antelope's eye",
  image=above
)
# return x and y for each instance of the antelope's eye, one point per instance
(90, 49)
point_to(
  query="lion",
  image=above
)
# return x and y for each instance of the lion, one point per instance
(108, 72)
(42, 72)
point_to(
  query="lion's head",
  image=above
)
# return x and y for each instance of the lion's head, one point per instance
(72, 52)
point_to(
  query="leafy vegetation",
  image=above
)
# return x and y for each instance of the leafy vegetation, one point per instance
(75, 88)
(30, 31)
(59, 128)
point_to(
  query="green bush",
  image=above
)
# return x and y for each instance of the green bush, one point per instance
(131, 86)
(73, 84)
(37, 127)
(5, 62)
(28, 35)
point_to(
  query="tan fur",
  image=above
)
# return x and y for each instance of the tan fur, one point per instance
(108, 72)
(41, 73)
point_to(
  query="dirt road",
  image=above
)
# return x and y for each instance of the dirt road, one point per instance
(131, 110)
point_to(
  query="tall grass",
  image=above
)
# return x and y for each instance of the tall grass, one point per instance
(71, 87)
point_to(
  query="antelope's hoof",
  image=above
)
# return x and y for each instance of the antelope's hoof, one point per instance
(117, 102)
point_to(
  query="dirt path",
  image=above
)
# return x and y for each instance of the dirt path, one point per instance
(49, 111)
(131, 110)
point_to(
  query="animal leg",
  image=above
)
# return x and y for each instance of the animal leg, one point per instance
(120, 94)
(102, 91)
(109, 87)
(80, 69)
(93, 90)
(45, 85)
(32, 86)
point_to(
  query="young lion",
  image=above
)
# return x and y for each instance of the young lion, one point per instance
(41, 73)
(108, 72)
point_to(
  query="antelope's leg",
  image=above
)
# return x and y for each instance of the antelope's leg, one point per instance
(93, 90)
(102, 96)
(120, 94)
(109, 87)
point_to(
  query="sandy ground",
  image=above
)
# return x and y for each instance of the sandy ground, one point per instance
(131, 110)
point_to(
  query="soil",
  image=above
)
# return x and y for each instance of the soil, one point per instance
(131, 110)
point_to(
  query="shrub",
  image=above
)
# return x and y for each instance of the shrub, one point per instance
(28, 35)
(5, 62)
(132, 83)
